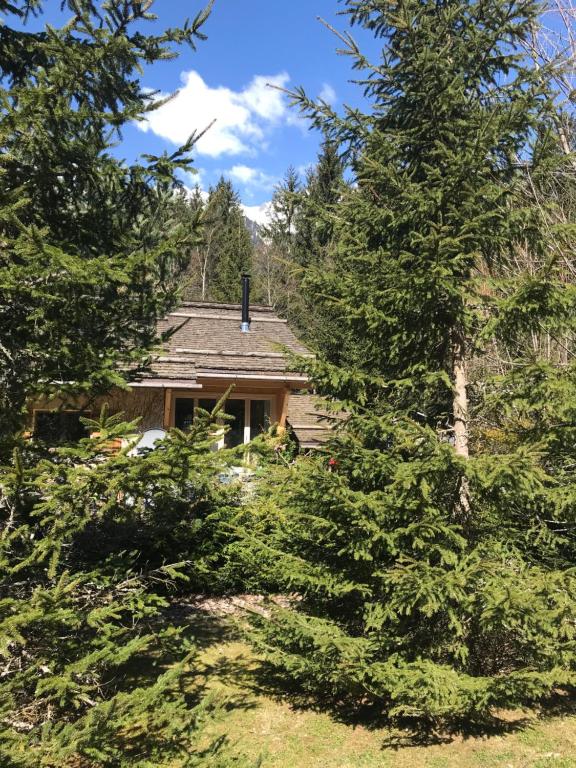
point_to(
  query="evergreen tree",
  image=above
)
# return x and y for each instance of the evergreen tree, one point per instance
(435, 567)
(226, 249)
(315, 237)
(187, 210)
(90, 252)
(315, 217)
(276, 272)
(297, 237)
(284, 210)
(94, 543)
(84, 268)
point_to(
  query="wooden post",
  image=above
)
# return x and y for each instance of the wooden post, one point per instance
(167, 408)
(283, 400)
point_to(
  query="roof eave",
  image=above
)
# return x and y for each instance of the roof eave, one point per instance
(288, 378)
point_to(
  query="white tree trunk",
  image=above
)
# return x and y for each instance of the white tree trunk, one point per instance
(460, 397)
(204, 276)
(460, 416)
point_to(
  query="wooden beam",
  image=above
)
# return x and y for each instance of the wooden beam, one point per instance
(254, 377)
(283, 399)
(226, 353)
(167, 408)
(164, 384)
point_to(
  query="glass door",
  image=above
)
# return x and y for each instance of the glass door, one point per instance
(259, 417)
(235, 434)
(250, 417)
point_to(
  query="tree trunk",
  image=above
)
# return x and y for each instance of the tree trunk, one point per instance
(460, 416)
(269, 277)
(206, 262)
(204, 270)
(460, 397)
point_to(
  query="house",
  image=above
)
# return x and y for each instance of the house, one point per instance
(211, 348)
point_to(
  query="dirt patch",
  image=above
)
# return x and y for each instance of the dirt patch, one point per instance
(231, 605)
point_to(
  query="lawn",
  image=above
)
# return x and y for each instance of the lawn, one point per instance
(264, 721)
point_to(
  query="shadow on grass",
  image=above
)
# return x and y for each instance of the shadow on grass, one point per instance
(399, 733)
(250, 676)
(198, 633)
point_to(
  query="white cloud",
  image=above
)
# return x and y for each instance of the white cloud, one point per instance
(243, 173)
(263, 97)
(328, 94)
(258, 213)
(242, 117)
(252, 177)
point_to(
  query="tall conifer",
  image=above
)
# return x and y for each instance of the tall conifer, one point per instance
(314, 218)
(434, 561)
(84, 269)
(89, 251)
(227, 247)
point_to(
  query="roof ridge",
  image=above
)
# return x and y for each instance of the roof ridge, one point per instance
(223, 305)
(189, 312)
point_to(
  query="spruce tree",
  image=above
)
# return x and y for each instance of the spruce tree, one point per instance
(275, 267)
(314, 240)
(84, 268)
(226, 248)
(95, 542)
(286, 200)
(431, 542)
(298, 236)
(315, 216)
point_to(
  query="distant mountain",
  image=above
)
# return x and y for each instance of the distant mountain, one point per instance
(254, 229)
(256, 216)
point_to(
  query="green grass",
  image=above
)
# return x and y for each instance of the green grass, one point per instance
(264, 721)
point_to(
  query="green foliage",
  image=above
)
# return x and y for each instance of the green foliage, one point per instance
(231, 242)
(299, 235)
(90, 256)
(276, 272)
(314, 219)
(435, 579)
(94, 542)
(398, 604)
(225, 249)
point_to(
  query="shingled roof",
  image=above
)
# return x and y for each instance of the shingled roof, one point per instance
(207, 342)
(310, 422)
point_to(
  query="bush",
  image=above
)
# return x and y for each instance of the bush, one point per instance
(93, 544)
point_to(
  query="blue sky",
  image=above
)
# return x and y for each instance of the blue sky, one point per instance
(256, 136)
(250, 43)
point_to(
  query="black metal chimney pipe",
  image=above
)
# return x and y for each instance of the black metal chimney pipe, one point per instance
(245, 303)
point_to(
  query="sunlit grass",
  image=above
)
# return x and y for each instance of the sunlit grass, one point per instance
(263, 721)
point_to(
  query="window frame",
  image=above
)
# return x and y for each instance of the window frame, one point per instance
(247, 398)
(35, 411)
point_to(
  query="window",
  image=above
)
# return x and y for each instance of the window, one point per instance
(184, 410)
(207, 404)
(184, 413)
(251, 417)
(235, 434)
(259, 417)
(59, 426)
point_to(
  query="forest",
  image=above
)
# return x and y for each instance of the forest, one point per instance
(412, 581)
